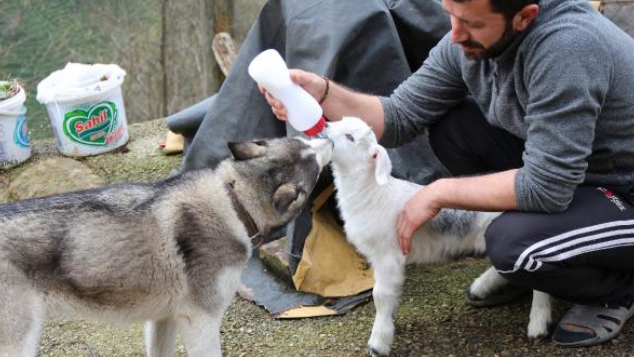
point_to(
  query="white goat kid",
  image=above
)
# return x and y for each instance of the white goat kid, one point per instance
(370, 199)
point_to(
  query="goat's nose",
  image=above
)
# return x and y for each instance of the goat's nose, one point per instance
(328, 131)
(325, 144)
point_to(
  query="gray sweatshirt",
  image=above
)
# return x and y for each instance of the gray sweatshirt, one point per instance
(565, 86)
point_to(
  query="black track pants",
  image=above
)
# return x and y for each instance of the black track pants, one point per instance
(584, 255)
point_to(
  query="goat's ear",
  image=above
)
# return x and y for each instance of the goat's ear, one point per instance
(382, 164)
(247, 150)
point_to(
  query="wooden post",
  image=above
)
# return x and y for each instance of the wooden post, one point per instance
(222, 16)
(224, 51)
(164, 33)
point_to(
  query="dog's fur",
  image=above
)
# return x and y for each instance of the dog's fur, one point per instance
(370, 200)
(170, 253)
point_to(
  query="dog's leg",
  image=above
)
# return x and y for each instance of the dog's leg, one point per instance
(389, 276)
(160, 337)
(541, 315)
(201, 334)
(22, 313)
(489, 281)
(200, 316)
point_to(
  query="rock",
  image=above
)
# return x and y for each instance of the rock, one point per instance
(51, 176)
(4, 191)
(140, 160)
(48, 172)
(275, 259)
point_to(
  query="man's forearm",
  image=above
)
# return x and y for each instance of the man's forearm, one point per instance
(492, 192)
(342, 101)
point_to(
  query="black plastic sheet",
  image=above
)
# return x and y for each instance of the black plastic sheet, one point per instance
(367, 45)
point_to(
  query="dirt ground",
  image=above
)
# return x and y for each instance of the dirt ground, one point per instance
(432, 320)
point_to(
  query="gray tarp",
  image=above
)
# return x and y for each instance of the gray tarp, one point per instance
(367, 45)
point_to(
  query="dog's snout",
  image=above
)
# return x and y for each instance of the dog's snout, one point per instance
(324, 148)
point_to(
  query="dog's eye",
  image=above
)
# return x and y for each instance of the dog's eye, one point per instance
(350, 137)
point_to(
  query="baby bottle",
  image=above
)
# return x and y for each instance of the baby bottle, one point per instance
(269, 70)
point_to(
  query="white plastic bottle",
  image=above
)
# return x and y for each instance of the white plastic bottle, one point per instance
(269, 70)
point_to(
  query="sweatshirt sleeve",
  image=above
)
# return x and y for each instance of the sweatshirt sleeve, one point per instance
(567, 75)
(424, 97)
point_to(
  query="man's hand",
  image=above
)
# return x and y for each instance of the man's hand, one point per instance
(419, 210)
(492, 192)
(315, 86)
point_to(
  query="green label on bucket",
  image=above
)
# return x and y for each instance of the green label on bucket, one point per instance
(95, 126)
(21, 133)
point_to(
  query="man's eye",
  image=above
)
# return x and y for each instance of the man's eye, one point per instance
(350, 137)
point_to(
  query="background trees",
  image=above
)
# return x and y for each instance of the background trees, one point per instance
(164, 46)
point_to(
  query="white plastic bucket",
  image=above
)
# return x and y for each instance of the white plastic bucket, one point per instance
(85, 106)
(14, 137)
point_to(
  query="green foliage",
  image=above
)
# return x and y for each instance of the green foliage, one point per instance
(38, 37)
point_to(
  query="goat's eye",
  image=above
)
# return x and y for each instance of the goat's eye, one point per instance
(350, 137)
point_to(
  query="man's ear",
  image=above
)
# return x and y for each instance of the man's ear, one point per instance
(247, 150)
(525, 17)
(382, 164)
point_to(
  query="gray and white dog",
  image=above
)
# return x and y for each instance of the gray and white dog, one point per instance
(169, 253)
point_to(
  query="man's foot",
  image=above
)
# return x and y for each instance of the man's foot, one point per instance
(586, 325)
(503, 295)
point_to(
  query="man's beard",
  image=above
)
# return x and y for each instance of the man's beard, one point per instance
(495, 49)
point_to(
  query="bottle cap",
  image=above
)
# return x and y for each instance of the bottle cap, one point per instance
(317, 128)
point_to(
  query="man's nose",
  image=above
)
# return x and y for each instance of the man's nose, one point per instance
(458, 32)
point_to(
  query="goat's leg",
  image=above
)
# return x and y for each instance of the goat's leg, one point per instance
(541, 315)
(541, 309)
(388, 281)
(486, 283)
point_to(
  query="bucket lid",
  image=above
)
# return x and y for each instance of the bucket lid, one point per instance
(13, 106)
(79, 81)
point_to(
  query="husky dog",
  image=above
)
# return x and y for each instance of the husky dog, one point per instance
(170, 253)
(370, 200)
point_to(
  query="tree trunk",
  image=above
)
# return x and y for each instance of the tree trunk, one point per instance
(164, 39)
(221, 16)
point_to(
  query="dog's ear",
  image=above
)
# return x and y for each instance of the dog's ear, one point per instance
(382, 164)
(287, 195)
(247, 150)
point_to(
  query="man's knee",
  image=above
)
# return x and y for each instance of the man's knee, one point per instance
(505, 241)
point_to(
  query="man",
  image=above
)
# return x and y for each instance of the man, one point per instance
(530, 105)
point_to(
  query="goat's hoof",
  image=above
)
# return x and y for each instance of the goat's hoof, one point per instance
(538, 329)
(538, 340)
(376, 353)
(538, 336)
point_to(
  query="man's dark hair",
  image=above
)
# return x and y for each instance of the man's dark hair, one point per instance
(508, 8)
